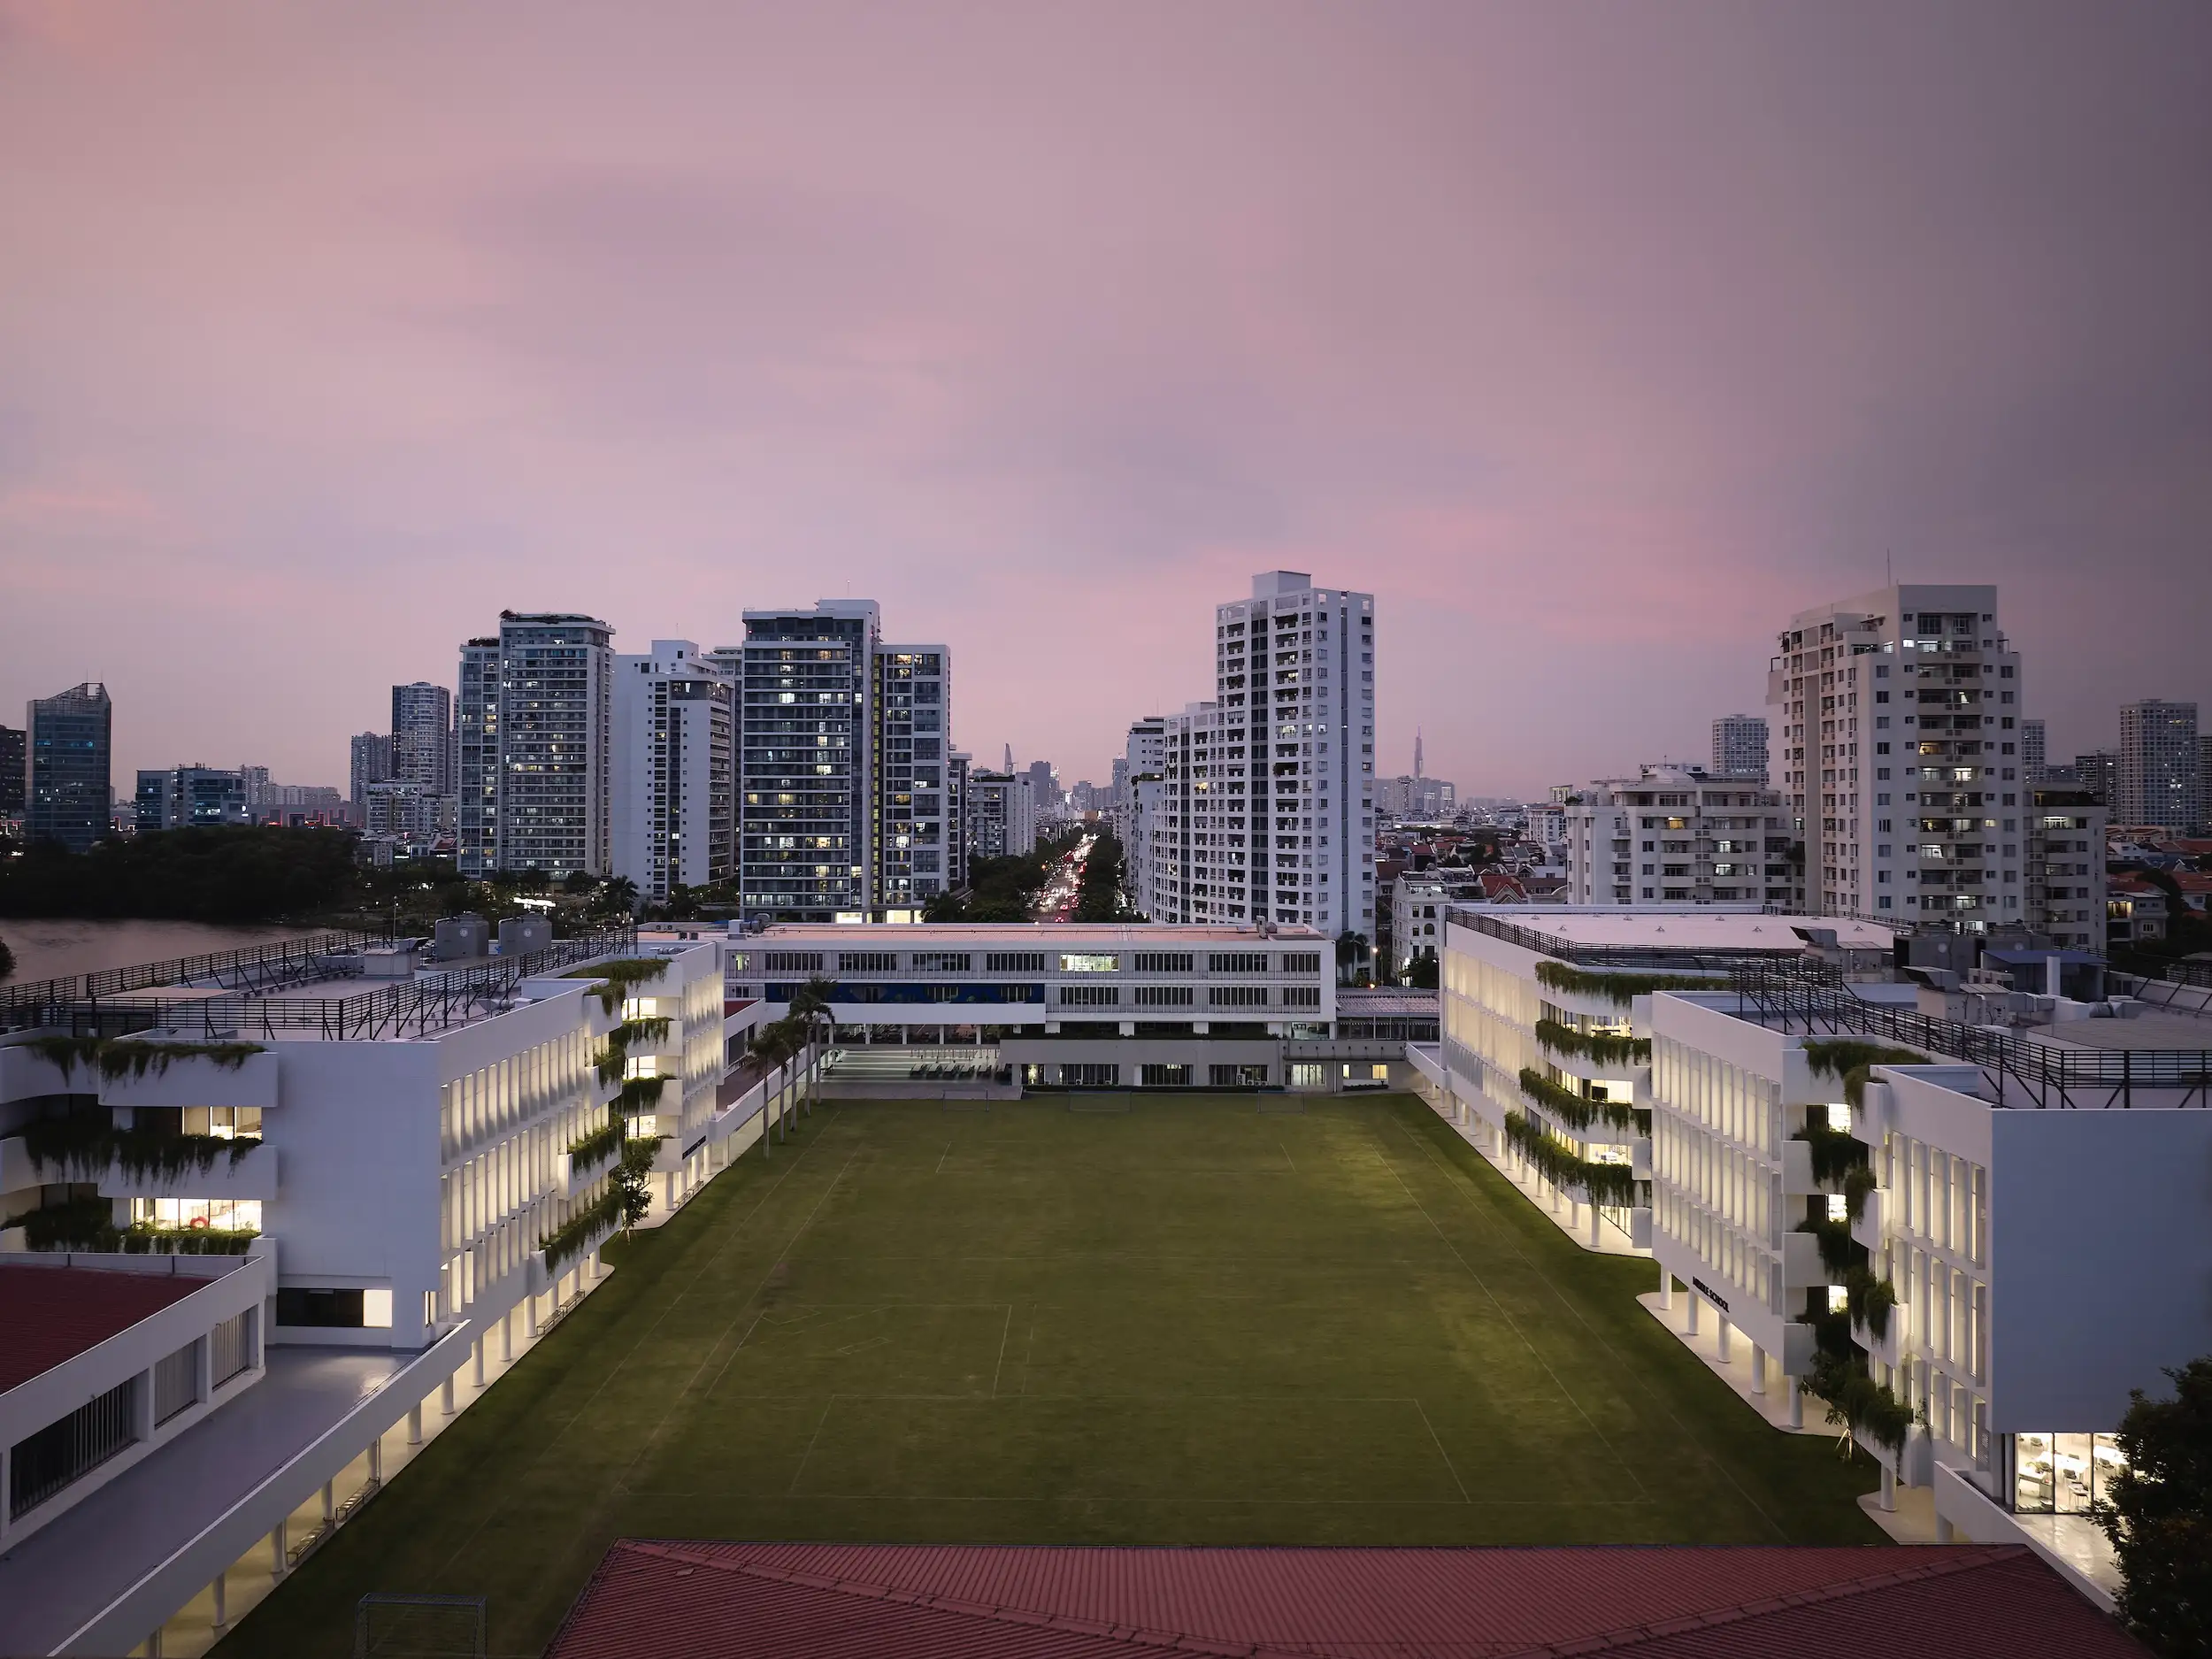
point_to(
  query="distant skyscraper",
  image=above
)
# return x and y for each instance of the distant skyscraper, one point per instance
(2098, 772)
(70, 738)
(370, 762)
(536, 718)
(1266, 810)
(422, 737)
(2033, 763)
(674, 752)
(2158, 781)
(13, 768)
(1739, 746)
(1420, 769)
(1899, 712)
(959, 810)
(842, 810)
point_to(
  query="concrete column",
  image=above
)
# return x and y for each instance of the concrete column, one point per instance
(1945, 1533)
(414, 1424)
(1689, 1324)
(476, 1357)
(330, 1501)
(1797, 1404)
(1724, 1333)
(222, 1603)
(279, 1547)
(1666, 1291)
(376, 1461)
(153, 1644)
(1758, 1369)
(445, 1396)
(507, 1337)
(1594, 1227)
(531, 1302)
(1889, 1490)
(668, 1190)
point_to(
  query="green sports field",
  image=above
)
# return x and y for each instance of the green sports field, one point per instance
(1084, 1319)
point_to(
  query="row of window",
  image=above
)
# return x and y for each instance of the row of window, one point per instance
(1028, 961)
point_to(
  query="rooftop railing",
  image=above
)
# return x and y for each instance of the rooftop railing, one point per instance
(427, 1001)
(255, 967)
(2019, 1070)
(1661, 958)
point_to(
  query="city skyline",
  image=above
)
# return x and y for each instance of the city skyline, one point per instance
(1646, 370)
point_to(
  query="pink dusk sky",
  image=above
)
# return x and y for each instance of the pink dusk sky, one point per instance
(1594, 339)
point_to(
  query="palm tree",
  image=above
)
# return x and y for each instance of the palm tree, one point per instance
(810, 1006)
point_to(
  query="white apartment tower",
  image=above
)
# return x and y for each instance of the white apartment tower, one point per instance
(1898, 720)
(1739, 746)
(2157, 779)
(536, 718)
(1282, 817)
(1676, 836)
(674, 723)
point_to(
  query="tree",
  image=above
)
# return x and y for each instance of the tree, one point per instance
(1421, 972)
(1350, 947)
(2159, 1517)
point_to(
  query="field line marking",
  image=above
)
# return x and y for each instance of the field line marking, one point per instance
(1460, 1184)
(1286, 1157)
(1005, 1330)
(827, 1406)
(1512, 1325)
(942, 1156)
(1029, 1347)
(1440, 1452)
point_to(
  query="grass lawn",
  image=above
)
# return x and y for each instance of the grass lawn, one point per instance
(1189, 1321)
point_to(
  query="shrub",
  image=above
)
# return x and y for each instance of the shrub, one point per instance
(1621, 989)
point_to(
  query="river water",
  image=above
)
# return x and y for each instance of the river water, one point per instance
(55, 949)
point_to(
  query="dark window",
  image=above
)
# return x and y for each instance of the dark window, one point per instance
(330, 1309)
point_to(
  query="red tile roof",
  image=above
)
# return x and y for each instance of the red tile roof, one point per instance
(53, 1314)
(708, 1601)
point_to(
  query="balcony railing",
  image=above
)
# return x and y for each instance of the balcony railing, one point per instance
(255, 968)
(1658, 957)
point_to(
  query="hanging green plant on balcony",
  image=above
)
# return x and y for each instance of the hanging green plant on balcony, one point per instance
(114, 1057)
(1836, 1153)
(639, 1094)
(1613, 1184)
(614, 1059)
(1853, 1061)
(588, 1152)
(618, 979)
(1871, 1299)
(1598, 1048)
(1858, 1181)
(1580, 1111)
(1839, 1252)
(588, 1225)
(1857, 1403)
(88, 1224)
(1621, 989)
(86, 1144)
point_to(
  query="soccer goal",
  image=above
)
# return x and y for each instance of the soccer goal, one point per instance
(391, 1626)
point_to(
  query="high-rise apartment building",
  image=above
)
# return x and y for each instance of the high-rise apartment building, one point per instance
(1002, 815)
(536, 720)
(2098, 772)
(1899, 718)
(422, 737)
(70, 739)
(959, 819)
(1280, 809)
(673, 766)
(370, 762)
(2034, 760)
(2065, 874)
(1739, 746)
(843, 812)
(476, 757)
(14, 769)
(191, 797)
(2157, 779)
(1678, 836)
